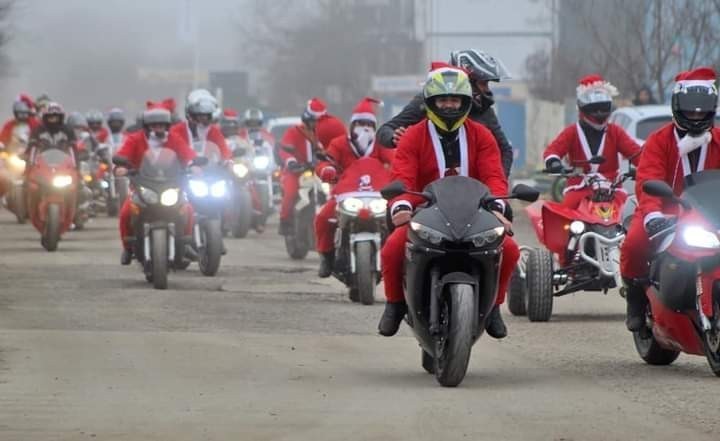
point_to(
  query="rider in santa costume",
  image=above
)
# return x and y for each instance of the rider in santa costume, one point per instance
(687, 145)
(445, 143)
(591, 136)
(342, 152)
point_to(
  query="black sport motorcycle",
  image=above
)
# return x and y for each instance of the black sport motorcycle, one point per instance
(452, 259)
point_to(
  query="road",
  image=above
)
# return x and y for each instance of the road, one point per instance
(266, 351)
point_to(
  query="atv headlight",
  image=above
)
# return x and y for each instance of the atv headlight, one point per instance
(431, 235)
(353, 205)
(169, 197)
(577, 227)
(200, 188)
(218, 189)
(240, 170)
(378, 206)
(149, 196)
(487, 237)
(261, 162)
(61, 181)
(699, 237)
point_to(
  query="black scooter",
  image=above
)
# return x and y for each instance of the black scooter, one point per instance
(451, 269)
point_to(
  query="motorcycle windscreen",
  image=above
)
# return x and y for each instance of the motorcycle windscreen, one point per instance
(702, 193)
(55, 158)
(365, 174)
(459, 199)
(160, 165)
(212, 153)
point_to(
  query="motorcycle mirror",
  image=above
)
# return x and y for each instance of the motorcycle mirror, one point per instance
(659, 189)
(393, 190)
(239, 152)
(200, 161)
(525, 193)
(597, 160)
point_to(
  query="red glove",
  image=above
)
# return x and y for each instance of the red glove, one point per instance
(328, 174)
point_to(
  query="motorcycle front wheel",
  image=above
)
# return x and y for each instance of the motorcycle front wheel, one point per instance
(19, 205)
(365, 274)
(211, 251)
(453, 354)
(159, 259)
(52, 228)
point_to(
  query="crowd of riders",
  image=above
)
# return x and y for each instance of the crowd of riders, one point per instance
(448, 129)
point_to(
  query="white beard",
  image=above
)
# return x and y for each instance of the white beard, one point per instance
(689, 143)
(364, 139)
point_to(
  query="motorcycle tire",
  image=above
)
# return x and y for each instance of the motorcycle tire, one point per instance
(296, 244)
(52, 228)
(19, 204)
(113, 207)
(538, 275)
(244, 214)
(365, 273)
(211, 252)
(354, 295)
(650, 350)
(428, 362)
(454, 353)
(159, 258)
(517, 295)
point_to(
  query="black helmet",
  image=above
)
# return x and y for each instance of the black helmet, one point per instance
(253, 118)
(479, 65)
(694, 100)
(53, 116)
(115, 119)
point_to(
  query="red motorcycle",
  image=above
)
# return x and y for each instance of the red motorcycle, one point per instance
(683, 313)
(581, 247)
(52, 194)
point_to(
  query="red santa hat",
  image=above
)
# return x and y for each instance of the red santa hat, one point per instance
(316, 107)
(25, 98)
(169, 104)
(156, 112)
(364, 110)
(701, 76)
(593, 88)
(230, 113)
(435, 65)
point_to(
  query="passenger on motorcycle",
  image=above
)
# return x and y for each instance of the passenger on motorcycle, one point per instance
(688, 145)
(341, 154)
(156, 134)
(482, 68)
(95, 124)
(17, 129)
(199, 129)
(591, 136)
(445, 143)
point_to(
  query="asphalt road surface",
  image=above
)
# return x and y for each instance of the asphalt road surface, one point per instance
(266, 351)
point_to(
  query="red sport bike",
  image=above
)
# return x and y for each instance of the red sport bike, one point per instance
(52, 194)
(683, 311)
(581, 247)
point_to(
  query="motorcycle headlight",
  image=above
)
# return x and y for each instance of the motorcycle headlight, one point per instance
(353, 205)
(487, 237)
(87, 178)
(200, 188)
(149, 196)
(261, 162)
(218, 189)
(61, 181)
(699, 237)
(169, 197)
(577, 227)
(240, 170)
(16, 163)
(428, 234)
(378, 206)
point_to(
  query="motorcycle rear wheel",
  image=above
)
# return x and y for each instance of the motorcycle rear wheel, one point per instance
(454, 353)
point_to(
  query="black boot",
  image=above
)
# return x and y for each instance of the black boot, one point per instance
(636, 305)
(126, 257)
(391, 318)
(285, 228)
(494, 325)
(326, 264)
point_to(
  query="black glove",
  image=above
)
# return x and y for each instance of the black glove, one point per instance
(295, 167)
(654, 226)
(504, 209)
(554, 165)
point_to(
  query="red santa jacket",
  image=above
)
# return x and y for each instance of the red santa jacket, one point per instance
(6, 133)
(296, 145)
(328, 128)
(571, 142)
(102, 135)
(214, 135)
(419, 160)
(343, 154)
(661, 160)
(266, 136)
(135, 145)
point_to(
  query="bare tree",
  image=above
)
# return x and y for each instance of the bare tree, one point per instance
(5, 33)
(632, 43)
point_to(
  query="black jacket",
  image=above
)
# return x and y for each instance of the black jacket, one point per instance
(42, 138)
(414, 112)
